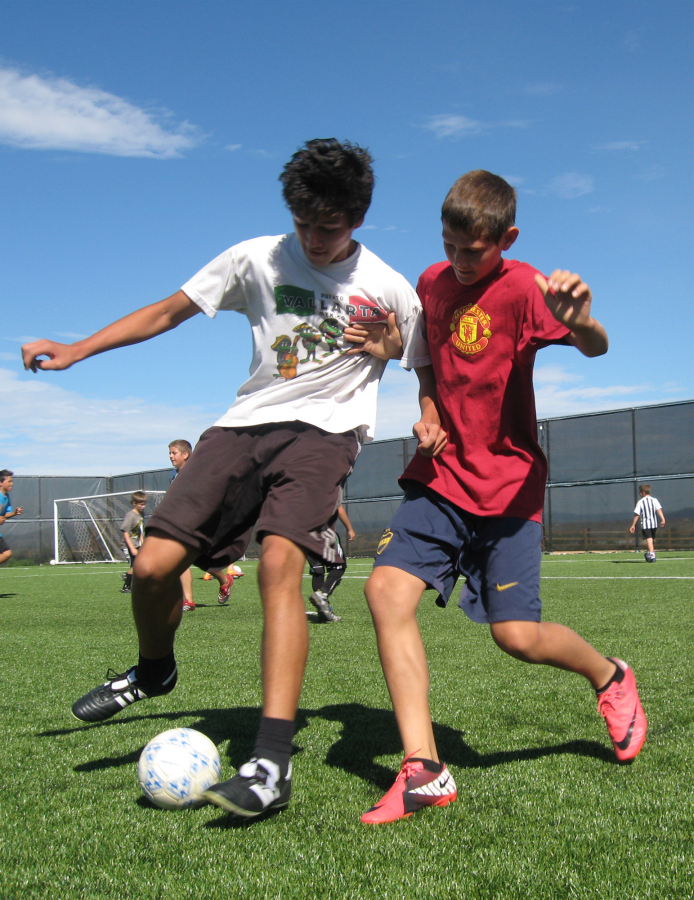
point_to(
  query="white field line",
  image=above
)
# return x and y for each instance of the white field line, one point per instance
(617, 577)
(548, 562)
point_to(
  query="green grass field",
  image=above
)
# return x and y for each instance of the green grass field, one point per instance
(543, 810)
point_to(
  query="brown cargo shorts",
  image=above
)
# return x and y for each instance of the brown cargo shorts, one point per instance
(283, 479)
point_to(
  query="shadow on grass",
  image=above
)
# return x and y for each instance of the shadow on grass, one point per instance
(7, 596)
(229, 820)
(365, 735)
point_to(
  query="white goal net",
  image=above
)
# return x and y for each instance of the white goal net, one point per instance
(87, 529)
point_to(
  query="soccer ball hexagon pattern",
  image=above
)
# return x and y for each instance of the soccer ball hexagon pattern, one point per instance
(176, 767)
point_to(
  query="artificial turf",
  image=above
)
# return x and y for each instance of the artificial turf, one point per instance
(543, 809)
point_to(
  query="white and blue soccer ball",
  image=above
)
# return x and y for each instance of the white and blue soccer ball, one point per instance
(177, 767)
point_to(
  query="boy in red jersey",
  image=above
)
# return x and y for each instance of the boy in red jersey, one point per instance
(477, 483)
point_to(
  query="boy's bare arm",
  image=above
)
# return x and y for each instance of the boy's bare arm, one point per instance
(662, 517)
(344, 518)
(633, 524)
(139, 326)
(381, 339)
(568, 298)
(428, 431)
(10, 515)
(131, 547)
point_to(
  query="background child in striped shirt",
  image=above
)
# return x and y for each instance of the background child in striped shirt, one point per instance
(648, 509)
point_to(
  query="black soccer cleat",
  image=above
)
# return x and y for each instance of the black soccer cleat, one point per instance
(256, 788)
(118, 692)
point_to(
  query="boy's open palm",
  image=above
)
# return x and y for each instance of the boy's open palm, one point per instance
(568, 298)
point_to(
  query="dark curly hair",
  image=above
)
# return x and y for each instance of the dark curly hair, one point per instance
(326, 176)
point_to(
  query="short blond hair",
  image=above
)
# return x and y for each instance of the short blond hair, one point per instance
(182, 446)
(138, 497)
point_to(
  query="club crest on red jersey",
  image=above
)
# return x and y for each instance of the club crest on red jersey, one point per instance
(470, 329)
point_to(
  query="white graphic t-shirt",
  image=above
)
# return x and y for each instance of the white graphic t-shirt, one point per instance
(297, 313)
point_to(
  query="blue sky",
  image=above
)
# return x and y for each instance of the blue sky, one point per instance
(139, 140)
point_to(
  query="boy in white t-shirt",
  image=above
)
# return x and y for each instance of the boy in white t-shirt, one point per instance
(648, 509)
(276, 461)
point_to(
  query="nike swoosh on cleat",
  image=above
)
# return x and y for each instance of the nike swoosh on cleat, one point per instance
(626, 740)
(505, 587)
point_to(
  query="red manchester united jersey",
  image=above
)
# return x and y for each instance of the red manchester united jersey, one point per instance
(483, 339)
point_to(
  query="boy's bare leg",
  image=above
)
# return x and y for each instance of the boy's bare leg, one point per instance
(157, 593)
(285, 632)
(265, 780)
(393, 596)
(650, 545)
(553, 645)
(187, 585)
(220, 575)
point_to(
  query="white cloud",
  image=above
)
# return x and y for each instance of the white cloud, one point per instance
(572, 185)
(653, 173)
(47, 430)
(559, 392)
(49, 113)
(453, 126)
(233, 147)
(620, 145)
(398, 403)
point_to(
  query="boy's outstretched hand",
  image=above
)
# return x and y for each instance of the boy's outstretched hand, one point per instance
(382, 339)
(569, 298)
(60, 356)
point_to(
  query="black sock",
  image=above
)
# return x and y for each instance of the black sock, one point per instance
(333, 579)
(274, 742)
(618, 677)
(128, 579)
(155, 671)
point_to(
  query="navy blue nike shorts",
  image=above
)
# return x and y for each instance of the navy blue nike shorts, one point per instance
(499, 557)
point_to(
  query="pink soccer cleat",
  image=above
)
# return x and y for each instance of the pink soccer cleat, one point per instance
(621, 708)
(415, 787)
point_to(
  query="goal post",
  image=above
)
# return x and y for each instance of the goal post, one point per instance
(87, 529)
